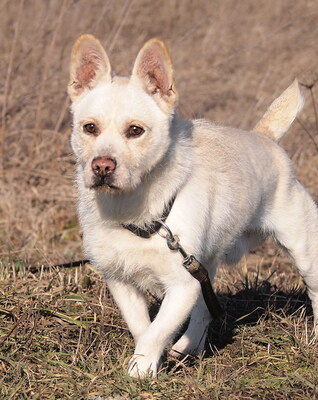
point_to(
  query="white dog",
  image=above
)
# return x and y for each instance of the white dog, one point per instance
(230, 189)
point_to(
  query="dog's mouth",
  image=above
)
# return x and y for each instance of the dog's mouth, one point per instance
(104, 184)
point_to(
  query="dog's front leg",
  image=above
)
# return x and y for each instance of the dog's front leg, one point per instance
(176, 306)
(132, 305)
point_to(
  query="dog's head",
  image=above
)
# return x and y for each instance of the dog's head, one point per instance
(121, 125)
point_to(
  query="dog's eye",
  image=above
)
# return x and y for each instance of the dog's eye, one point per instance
(91, 129)
(134, 131)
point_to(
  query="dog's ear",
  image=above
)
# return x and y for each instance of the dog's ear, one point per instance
(89, 65)
(153, 70)
(281, 113)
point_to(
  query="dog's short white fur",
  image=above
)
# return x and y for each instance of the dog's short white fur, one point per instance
(233, 188)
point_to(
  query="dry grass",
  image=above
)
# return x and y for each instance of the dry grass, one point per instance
(61, 337)
(60, 334)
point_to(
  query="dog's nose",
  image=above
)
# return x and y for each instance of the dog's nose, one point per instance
(103, 166)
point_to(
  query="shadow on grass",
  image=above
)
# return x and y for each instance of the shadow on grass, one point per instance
(248, 305)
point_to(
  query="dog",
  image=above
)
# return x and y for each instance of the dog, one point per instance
(221, 190)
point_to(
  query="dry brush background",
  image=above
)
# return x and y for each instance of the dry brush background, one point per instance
(232, 58)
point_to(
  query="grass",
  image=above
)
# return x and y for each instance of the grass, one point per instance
(61, 336)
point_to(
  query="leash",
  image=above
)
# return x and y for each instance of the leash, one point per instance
(197, 270)
(71, 264)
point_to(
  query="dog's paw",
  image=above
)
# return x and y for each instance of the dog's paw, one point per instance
(141, 366)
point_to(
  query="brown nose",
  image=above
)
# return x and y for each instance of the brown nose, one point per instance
(103, 166)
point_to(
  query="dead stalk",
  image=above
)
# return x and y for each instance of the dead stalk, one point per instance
(63, 111)
(66, 103)
(308, 133)
(6, 88)
(46, 66)
(314, 107)
(118, 28)
(10, 66)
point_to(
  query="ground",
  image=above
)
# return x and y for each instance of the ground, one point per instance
(61, 336)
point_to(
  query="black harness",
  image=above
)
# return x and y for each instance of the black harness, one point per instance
(154, 227)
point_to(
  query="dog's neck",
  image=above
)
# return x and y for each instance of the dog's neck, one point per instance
(148, 201)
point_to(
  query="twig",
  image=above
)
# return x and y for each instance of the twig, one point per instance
(315, 109)
(105, 8)
(15, 326)
(46, 66)
(63, 111)
(310, 87)
(308, 133)
(118, 28)
(7, 85)
(10, 65)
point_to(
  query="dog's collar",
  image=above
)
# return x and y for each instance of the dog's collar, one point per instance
(155, 225)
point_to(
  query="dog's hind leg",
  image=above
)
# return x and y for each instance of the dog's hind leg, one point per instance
(193, 340)
(294, 218)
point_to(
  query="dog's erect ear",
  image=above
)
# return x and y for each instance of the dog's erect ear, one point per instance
(153, 70)
(89, 65)
(281, 113)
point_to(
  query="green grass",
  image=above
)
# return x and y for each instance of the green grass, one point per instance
(61, 337)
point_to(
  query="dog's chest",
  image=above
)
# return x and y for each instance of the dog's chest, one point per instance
(120, 255)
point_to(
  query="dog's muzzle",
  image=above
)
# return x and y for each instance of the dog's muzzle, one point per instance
(103, 169)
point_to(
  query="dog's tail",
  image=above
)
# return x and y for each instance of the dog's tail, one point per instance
(281, 113)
